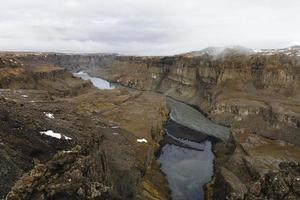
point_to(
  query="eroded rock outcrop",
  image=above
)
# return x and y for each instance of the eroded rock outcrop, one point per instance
(228, 89)
(256, 94)
(284, 184)
(97, 155)
(246, 165)
(68, 175)
(55, 80)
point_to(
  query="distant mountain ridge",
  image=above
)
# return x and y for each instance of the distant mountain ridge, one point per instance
(290, 51)
(219, 52)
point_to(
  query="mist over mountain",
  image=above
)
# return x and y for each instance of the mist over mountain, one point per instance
(219, 52)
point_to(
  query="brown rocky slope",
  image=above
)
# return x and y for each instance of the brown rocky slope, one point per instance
(97, 157)
(257, 95)
(228, 88)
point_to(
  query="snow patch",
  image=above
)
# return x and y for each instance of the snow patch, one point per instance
(49, 115)
(142, 140)
(67, 151)
(257, 51)
(66, 137)
(51, 134)
(55, 135)
(238, 118)
(25, 96)
(154, 76)
(290, 51)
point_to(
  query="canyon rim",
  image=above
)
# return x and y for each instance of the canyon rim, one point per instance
(64, 138)
(150, 100)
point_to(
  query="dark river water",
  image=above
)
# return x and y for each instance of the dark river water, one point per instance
(188, 168)
(188, 160)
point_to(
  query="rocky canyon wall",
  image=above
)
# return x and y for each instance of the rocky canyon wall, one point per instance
(262, 92)
(257, 95)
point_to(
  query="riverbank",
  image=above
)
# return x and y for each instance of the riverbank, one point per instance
(256, 96)
(186, 157)
(64, 139)
(238, 173)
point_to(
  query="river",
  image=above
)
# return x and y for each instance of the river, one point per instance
(97, 82)
(188, 160)
(188, 168)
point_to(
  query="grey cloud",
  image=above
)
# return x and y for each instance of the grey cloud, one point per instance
(147, 27)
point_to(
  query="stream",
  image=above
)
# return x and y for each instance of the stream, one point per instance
(188, 168)
(186, 156)
(97, 82)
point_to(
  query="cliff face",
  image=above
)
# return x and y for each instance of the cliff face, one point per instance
(250, 89)
(15, 74)
(61, 138)
(257, 95)
(244, 166)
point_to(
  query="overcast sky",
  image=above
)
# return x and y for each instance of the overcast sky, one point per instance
(147, 27)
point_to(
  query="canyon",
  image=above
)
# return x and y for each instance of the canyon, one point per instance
(255, 95)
